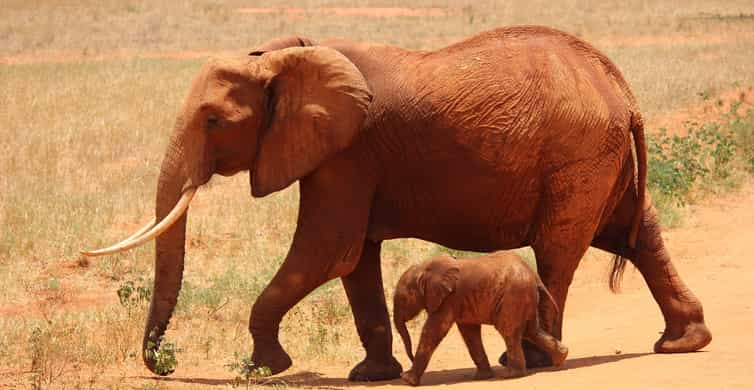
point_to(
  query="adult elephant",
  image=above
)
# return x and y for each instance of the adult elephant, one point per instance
(517, 136)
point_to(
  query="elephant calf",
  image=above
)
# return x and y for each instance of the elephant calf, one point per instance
(497, 289)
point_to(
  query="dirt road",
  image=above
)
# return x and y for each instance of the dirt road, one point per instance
(610, 336)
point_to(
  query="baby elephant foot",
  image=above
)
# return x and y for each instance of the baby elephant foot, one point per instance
(511, 372)
(411, 378)
(483, 374)
(535, 357)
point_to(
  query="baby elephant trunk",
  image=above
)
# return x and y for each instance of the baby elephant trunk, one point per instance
(400, 325)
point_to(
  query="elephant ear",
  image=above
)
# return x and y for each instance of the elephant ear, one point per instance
(318, 101)
(438, 280)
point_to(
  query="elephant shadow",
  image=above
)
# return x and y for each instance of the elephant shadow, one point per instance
(311, 379)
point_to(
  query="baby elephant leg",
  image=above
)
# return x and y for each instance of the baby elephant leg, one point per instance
(557, 351)
(516, 360)
(437, 326)
(472, 336)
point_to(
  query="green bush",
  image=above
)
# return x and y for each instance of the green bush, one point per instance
(676, 163)
(708, 156)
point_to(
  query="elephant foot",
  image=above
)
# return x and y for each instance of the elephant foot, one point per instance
(692, 337)
(559, 356)
(274, 357)
(535, 357)
(483, 374)
(372, 370)
(411, 378)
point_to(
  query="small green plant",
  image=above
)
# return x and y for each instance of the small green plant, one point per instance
(246, 370)
(164, 356)
(133, 293)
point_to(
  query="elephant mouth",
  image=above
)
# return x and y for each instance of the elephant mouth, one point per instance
(228, 171)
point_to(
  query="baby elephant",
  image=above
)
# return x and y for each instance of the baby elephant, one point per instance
(497, 289)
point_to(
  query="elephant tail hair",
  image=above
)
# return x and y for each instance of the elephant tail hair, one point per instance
(543, 291)
(619, 262)
(616, 274)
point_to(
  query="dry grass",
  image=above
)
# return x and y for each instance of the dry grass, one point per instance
(82, 140)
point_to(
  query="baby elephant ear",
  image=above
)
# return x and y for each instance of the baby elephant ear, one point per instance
(319, 100)
(439, 281)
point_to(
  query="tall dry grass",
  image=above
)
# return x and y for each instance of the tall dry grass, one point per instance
(81, 142)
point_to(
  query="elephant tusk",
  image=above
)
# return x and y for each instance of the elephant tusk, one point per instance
(115, 246)
(140, 237)
(141, 231)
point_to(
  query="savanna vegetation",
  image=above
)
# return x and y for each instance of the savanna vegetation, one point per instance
(88, 94)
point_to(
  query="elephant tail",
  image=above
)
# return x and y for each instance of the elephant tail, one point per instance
(619, 263)
(637, 130)
(543, 291)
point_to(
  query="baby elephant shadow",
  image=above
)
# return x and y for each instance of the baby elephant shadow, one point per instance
(458, 375)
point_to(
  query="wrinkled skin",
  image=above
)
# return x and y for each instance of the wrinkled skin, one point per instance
(498, 289)
(517, 136)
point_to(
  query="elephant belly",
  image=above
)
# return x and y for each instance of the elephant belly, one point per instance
(480, 212)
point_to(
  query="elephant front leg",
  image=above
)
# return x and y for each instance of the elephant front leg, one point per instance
(327, 244)
(685, 330)
(367, 298)
(437, 326)
(293, 281)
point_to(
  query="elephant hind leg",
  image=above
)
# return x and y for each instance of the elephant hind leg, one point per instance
(472, 337)
(685, 330)
(557, 351)
(516, 359)
(569, 219)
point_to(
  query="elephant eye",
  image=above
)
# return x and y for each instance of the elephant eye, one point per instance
(212, 122)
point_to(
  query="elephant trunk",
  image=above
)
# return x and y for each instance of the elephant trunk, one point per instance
(400, 318)
(169, 253)
(400, 325)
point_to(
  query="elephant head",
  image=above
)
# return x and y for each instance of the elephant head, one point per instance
(425, 285)
(278, 114)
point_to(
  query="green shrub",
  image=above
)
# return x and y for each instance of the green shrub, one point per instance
(247, 371)
(708, 156)
(677, 163)
(164, 357)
